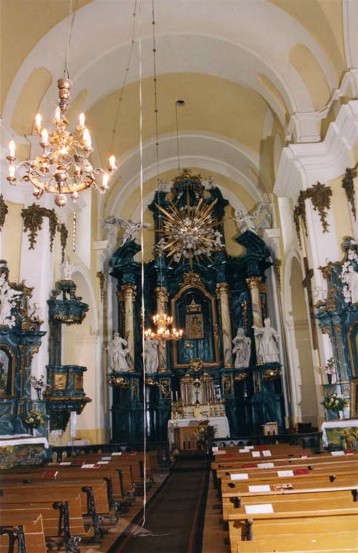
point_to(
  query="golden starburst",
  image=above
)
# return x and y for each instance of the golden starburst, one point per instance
(190, 232)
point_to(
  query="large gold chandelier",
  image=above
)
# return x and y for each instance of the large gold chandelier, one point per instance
(63, 167)
(164, 328)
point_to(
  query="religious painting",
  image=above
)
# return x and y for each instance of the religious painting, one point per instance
(195, 312)
(194, 322)
(194, 327)
(60, 382)
(7, 367)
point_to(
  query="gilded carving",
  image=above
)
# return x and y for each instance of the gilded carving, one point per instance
(3, 211)
(348, 185)
(253, 282)
(192, 279)
(320, 196)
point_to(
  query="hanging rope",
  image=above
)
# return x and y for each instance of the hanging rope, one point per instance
(142, 268)
(71, 14)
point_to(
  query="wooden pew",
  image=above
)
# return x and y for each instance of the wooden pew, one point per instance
(116, 492)
(31, 532)
(242, 488)
(245, 522)
(344, 541)
(62, 519)
(94, 501)
(309, 496)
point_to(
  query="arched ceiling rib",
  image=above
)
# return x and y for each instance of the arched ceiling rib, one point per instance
(231, 60)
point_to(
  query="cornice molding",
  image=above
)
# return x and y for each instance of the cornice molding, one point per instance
(302, 165)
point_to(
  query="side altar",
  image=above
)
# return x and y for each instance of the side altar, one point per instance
(208, 340)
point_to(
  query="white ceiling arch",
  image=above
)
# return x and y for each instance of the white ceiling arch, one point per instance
(102, 30)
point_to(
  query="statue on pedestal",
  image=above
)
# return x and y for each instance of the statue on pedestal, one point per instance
(241, 349)
(118, 353)
(267, 343)
(151, 358)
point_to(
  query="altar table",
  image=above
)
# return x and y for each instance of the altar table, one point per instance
(22, 449)
(342, 432)
(220, 425)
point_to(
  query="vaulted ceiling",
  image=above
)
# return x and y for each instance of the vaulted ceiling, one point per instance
(243, 68)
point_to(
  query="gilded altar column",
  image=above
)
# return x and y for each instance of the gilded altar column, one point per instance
(162, 299)
(129, 294)
(253, 285)
(222, 292)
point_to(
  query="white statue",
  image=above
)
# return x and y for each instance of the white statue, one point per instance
(118, 353)
(67, 269)
(218, 239)
(352, 282)
(8, 300)
(35, 313)
(241, 349)
(267, 338)
(130, 227)
(159, 247)
(151, 358)
(245, 220)
(263, 216)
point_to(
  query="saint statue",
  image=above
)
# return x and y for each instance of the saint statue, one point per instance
(241, 349)
(67, 269)
(352, 281)
(8, 300)
(245, 221)
(130, 227)
(151, 359)
(118, 353)
(267, 343)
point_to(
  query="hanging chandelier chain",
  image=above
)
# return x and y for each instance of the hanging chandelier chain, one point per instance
(155, 80)
(126, 72)
(72, 14)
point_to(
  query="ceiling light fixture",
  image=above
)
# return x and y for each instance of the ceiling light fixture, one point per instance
(63, 167)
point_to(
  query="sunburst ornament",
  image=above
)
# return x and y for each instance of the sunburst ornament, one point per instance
(190, 232)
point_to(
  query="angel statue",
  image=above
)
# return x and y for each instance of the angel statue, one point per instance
(130, 227)
(257, 221)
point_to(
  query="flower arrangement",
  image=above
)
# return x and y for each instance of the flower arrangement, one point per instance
(33, 419)
(334, 402)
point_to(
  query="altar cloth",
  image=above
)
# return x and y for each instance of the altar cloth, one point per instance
(22, 439)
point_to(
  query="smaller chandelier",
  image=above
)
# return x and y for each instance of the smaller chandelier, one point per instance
(62, 168)
(164, 329)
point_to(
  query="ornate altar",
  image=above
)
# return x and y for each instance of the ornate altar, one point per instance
(209, 294)
(20, 339)
(337, 317)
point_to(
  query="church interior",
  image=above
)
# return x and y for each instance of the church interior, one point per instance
(179, 268)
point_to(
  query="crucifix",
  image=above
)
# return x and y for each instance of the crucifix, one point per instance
(308, 285)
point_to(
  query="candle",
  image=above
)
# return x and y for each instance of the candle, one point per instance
(38, 121)
(12, 148)
(81, 119)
